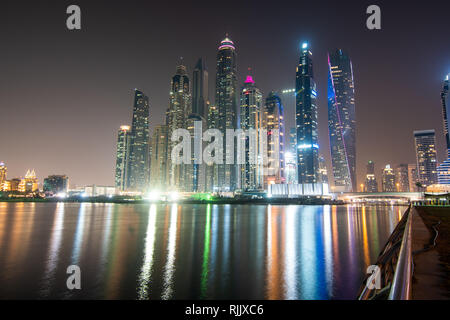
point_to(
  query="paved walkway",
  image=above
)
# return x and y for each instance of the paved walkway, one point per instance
(428, 272)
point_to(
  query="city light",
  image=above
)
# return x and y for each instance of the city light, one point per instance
(304, 45)
(153, 195)
(174, 196)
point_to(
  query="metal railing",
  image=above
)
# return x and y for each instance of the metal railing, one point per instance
(401, 284)
(395, 265)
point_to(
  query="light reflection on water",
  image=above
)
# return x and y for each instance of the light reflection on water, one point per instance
(184, 251)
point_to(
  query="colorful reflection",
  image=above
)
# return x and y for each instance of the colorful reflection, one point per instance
(190, 251)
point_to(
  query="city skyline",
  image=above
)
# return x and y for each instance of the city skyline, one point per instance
(101, 145)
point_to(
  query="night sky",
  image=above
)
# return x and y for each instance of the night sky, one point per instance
(64, 94)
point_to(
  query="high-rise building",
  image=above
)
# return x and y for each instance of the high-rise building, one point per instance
(293, 140)
(412, 177)
(371, 184)
(158, 162)
(3, 171)
(388, 179)
(341, 120)
(122, 157)
(194, 173)
(273, 123)
(323, 172)
(306, 120)
(55, 184)
(138, 173)
(251, 172)
(29, 183)
(226, 103)
(212, 170)
(401, 178)
(177, 114)
(425, 143)
(200, 92)
(444, 168)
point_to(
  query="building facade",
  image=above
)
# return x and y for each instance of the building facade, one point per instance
(122, 157)
(251, 105)
(444, 167)
(273, 123)
(138, 173)
(3, 172)
(371, 184)
(158, 162)
(388, 179)
(425, 144)
(56, 184)
(226, 103)
(412, 177)
(176, 117)
(342, 120)
(306, 120)
(401, 178)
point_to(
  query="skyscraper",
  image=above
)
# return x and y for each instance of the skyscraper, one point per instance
(251, 172)
(425, 144)
(341, 120)
(212, 170)
(226, 102)
(401, 178)
(177, 114)
(158, 163)
(444, 168)
(138, 174)
(55, 184)
(122, 157)
(3, 171)
(371, 184)
(273, 122)
(200, 95)
(306, 120)
(388, 179)
(412, 177)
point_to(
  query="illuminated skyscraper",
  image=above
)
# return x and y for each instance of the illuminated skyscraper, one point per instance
(177, 114)
(158, 163)
(306, 120)
(251, 172)
(138, 174)
(200, 95)
(29, 183)
(212, 170)
(273, 123)
(55, 184)
(341, 120)
(3, 171)
(444, 168)
(371, 184)
(388, 179)
(401, 178)
(226, 102)
(412, 177)
(122, 156)
(425, 144)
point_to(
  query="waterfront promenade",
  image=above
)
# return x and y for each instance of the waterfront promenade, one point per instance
(431, 252)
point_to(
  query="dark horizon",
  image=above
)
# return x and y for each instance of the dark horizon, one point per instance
(64, 94)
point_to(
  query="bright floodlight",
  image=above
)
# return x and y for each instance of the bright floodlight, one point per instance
(305, 45)
(153, 195)
(61, 195)
(174, 196)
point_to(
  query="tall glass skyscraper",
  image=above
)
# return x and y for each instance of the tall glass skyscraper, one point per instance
(158, 163)
(444, 167)
(251, 172)
(273, 122)
(138, 175)
(122, 156)
(425, 143)
(341, 120)
(226, 102)
(306, 120)
(200, 96)
(177, 114)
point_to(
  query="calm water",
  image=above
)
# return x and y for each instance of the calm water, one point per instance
(189, 251)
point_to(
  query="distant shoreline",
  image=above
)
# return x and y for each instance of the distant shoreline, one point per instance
(222, 201)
